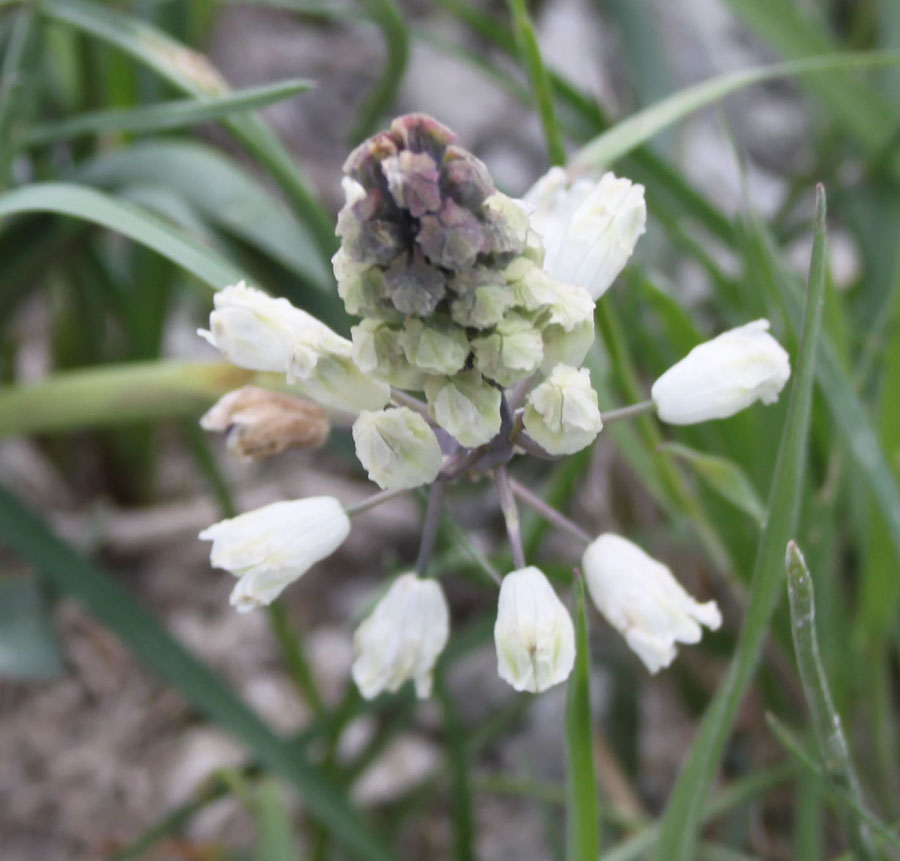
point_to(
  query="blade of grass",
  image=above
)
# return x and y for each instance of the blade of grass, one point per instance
(274, 831)
(166, 115)
(71, 573)
(638, 128)
(131, 221)
(114, 394)
(12, 82)
(194, 74)
(681, 819)
(796, 748)
(833, 748)
(541, 88)
(583, 811)
(390, 20)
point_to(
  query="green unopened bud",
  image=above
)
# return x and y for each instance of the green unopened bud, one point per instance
(506, 224)
(397, 448)
(339, 384)
(377, 351)
(466, 406)
(512, 352)
(435, 347)
(563, 347)
(483, 297)
(561, 414)
(362, 288)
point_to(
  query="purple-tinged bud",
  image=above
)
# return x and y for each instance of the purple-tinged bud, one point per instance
(453, 238)
(364, 163)
(415, 287)
(465, 178)
(423, 133)
(412, 179)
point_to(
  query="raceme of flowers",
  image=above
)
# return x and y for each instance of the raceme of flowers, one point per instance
(476, 314)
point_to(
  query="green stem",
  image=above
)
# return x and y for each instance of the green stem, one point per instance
(541, 88)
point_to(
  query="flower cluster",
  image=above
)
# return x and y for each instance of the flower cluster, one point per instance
(477, 313)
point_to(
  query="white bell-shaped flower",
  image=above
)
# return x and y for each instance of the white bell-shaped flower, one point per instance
(401, 638)
(641, 598)
(534, 635)
(723, 376)
(589, 228)
(270, 547)
(397, 447)
(561, 414)
(257, 331)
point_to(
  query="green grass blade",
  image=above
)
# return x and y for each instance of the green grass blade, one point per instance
(583, 840)
(724, 476)
(131, 221)
(541, 88)
(167, 115)
(115, 394)
(796, 748)
(223, 192)
(833, 748)
(275, 838)
(12, 82)
(192, 73)
(681, 819)
(637, 129)
(28, 645)
(390, 20)
(25, 534)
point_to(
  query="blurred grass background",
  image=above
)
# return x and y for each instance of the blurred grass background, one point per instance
(135, 181)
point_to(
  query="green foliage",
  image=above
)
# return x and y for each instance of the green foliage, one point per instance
(117, 213)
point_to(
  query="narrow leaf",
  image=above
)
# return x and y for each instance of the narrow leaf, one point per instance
(724, 476)
(28, 644)
(826, 721)
(681, 819)
(24, 533)
(125, 218)
(637, 129)
(583, 842)
(167, 115)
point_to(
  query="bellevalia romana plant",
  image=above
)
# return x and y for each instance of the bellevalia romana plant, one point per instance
(476, 313)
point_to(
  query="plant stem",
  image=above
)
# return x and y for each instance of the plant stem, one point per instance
(430, 527)
(550, 514)
(510, 515)
(629, 412)
(374, 501)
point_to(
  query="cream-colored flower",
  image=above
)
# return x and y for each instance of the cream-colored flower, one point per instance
(270, 547)
(641, 598)
(256, 331)
(589, 229)
(466, 406)
(401, 638)
(397, 448)
(561, 414)
(534, 635)
(723, 376)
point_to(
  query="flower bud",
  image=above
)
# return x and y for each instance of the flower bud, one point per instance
(377, 351)
(723, 376)
(339, 384)
(641, 599)
(259, 423)
(534, 635)
(401, 638)
(397, 448)
(511, 352)
(466, 406)
(589, 229)
(256, 331)
(434, 347)
(269, 548)
(561, 414)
